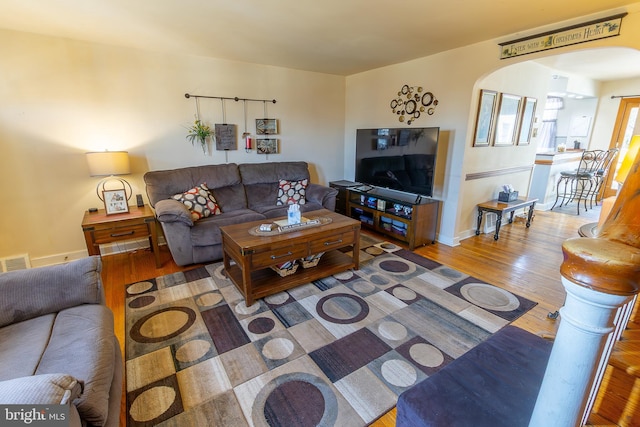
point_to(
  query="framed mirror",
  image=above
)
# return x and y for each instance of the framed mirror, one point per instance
(508, 119)
(526, 122)
(485, 117)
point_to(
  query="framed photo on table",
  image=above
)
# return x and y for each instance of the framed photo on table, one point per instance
(115, 201)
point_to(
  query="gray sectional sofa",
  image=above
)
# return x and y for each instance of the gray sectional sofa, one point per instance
(57, 342)
(244, 192)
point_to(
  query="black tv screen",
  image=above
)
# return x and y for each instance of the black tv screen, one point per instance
(397, 158)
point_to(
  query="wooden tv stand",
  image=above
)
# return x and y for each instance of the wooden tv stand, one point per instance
(407, 217)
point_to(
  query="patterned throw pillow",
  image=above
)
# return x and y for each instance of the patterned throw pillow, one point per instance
(291, 192)
(199, 201)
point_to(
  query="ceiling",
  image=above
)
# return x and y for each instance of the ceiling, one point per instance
(340, 37)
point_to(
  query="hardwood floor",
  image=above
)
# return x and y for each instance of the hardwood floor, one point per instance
(524, 260)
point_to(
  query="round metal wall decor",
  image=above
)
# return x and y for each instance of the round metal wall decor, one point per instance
(411, 103)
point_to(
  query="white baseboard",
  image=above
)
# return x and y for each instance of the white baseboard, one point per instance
(465, 235)
(58, 258)
(124, 246)
(107, 249)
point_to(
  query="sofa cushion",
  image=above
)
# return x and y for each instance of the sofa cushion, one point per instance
(19, 356)
(271, 211)
(261, 194)
(169, 210)
(207, 231)
(199, 201)
(230, 198)
(161, 185)
(291, 192)
(257, 173)
(33, 292)
(261, 180)
(82, 345)
(47, 389)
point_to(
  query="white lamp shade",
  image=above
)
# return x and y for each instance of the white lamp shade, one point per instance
(106, 163)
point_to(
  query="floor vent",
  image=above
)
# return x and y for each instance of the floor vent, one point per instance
(490, 219)
(17, 262)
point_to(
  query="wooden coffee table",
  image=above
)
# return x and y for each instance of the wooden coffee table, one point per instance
(254, 255)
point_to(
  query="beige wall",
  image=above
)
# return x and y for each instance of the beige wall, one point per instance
(527, 79)
(456, 77)
(61, 98)
(608, 109)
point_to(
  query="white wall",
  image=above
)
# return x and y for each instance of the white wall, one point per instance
(526, 79)
(576, 109)
(455, 76)
(451, 81)
(608, 109)
(61, 98)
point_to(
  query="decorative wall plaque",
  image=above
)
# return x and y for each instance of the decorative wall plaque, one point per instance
(226, 138)
(412, 102)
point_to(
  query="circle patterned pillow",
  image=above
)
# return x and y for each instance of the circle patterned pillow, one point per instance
(292, 192)
(199, 201)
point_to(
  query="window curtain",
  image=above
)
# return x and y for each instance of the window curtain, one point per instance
(548, 136)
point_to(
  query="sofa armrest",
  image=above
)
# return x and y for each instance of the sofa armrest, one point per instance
(326, 196)
(170, 210)
(34, 292)
(46, 389)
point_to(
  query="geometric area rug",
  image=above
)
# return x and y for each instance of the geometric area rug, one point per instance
(335, 352)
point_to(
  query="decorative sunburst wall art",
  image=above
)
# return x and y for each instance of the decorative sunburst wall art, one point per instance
(267, 146)
(412, 102)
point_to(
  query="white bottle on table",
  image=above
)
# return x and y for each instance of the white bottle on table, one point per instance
(293, 214)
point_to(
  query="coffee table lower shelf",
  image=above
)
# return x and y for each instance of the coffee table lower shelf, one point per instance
(266, 282)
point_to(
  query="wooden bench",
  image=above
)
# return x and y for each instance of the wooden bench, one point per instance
(500, 208)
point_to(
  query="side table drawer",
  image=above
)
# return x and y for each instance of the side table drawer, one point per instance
(120, 233)
(278, 255)
(334, 241)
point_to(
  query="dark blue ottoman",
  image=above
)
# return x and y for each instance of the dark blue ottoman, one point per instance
(494, 384)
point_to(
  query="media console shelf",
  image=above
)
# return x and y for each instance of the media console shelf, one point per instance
(407, 217)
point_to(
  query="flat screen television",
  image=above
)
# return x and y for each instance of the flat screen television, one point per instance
(402, 159)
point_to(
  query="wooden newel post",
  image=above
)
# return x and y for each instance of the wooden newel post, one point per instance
(600, 275)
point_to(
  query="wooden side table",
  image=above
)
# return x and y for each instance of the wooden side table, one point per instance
(500, 208)
(100, 228)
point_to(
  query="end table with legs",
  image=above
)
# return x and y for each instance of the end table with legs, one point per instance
(500, 208)
(100, 228)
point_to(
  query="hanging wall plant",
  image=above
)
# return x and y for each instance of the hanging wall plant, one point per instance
(199, 132)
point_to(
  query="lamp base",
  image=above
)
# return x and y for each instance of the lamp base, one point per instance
(123, 184)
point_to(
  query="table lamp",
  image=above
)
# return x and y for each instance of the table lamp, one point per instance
(109, 164)
(621, 176)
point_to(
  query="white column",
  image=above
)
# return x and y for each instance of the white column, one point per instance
(621, 321)
(585, 322)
